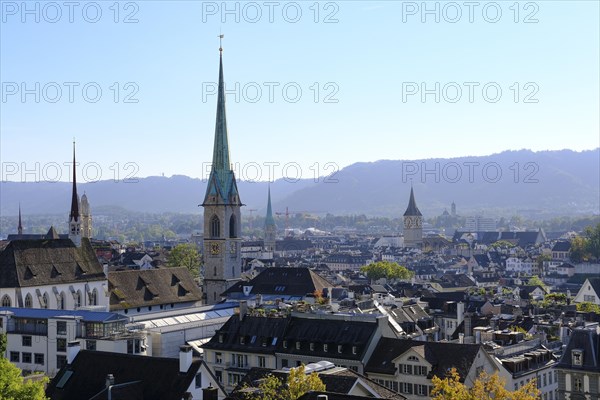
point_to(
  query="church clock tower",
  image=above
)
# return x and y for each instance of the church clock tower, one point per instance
(413, 224)
(222, 217)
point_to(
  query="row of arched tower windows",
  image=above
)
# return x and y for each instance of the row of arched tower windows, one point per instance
(61, 301)
(215, 227)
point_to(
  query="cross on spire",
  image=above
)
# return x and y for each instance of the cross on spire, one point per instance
(221, 36)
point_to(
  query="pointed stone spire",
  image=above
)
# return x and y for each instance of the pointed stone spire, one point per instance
(269, 220)
(74, 214)
(412, 209)
(222, 187)
(220, 162)
(74, 217)
(20, 226)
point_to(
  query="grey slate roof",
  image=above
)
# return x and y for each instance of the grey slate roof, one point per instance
(160, 377)
(441, 355)
(25, 263)
(139, 288)
(284, 281)
(587, 340)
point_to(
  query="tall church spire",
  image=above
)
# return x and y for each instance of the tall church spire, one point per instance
(20, 226)
(269, 220)
(222, 216)
(74, 214)
(74, 217)
(220, 162)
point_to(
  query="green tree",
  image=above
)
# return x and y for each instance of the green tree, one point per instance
(587, 306)
(386, 269)
(297, 384)
(486, 387)
(2, 344)
(535, 281)
(593, 241)
(578, 252)
(185, 255)
(14, 387)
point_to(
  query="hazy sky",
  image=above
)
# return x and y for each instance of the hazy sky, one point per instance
(318, 85)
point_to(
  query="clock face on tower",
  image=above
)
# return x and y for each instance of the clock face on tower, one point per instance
(418, 223)
(408, 223)
(215, 248)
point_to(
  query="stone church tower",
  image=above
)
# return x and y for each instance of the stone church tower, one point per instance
(413, 224)
(222, 217)
(86, 217)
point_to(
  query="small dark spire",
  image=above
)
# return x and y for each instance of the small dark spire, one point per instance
(20, 227)
(269, 220)
(412, 209)
(74, 199)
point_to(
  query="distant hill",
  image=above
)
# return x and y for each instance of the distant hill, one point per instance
(550, 182)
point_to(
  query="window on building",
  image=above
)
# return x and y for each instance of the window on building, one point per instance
(26, 357)
(94, 298)
(45, 301)
(61, 301)
(284, 363)
(61, 327)
(61, 361)
(26, 341)
(262, 362)
(406, 387)
(405, 369)
(215, 227)
(420, 370)
(232, 232)
(28, 301)
(413, 358)
(90, 345)
(219, 376)
(218, 358)
(39, 358)
(61, 344)
(421, 390)
(198, 380)
(325, 347)
(298, 344)
(78, 299)
(340, 348)
(577, 357)
(577, 384)
(15, 356)
(312, 346)
(6, 302)
(550, 377)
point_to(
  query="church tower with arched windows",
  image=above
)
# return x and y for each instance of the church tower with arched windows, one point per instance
(222, 217)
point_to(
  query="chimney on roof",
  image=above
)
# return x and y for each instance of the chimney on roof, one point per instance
(72, 351)
(210, 393)
(243, 309)
(110, 380)
(185, 358)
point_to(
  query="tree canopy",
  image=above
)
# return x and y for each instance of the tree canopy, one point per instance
(185, 255)
(486, 387)
(12, 385)
(297, 384)
(386, 269)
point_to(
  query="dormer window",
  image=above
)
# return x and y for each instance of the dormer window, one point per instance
(354, 349)
(242, 339)
(312, 347)
(340, 348)
(285, 344)
(577, 357)
(297, 345)
(220, 338)
(325, 347)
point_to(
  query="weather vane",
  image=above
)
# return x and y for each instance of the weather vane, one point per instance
(221, 36)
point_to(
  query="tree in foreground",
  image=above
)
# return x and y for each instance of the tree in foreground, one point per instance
(12, 384)
(185, 255)
(297, 384)
(386, 269)
(486, 387)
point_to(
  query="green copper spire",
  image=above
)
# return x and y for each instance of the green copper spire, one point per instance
(221, 183)
(269, 220)
(220, 162)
